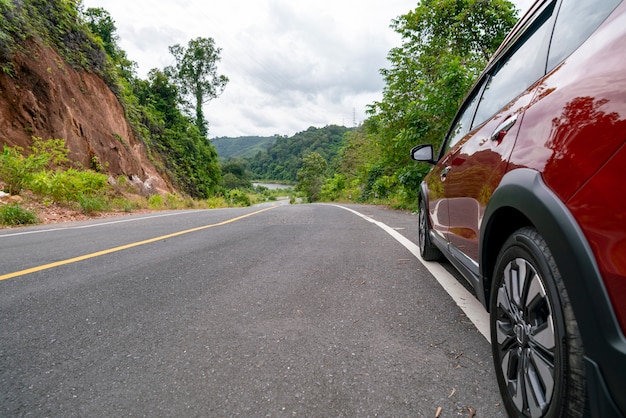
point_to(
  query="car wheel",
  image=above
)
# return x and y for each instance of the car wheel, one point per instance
(537, 348)
(427, 250)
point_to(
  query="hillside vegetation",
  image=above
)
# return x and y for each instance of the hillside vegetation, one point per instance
(86, 42)
(282, 160)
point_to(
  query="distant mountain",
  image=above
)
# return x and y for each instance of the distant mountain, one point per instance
(243, 146)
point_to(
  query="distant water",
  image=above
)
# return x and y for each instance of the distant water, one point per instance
(273, 186)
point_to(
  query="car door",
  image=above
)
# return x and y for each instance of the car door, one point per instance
(437, 203)
(474, 167)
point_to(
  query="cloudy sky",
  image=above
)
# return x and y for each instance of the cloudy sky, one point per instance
(291, 64)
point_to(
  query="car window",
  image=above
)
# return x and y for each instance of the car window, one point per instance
(464, 120)
(518, 70)
(576, 21)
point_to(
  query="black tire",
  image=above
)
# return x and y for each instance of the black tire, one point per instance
(537, 348)
(427, 250)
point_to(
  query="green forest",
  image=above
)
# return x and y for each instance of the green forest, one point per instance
(241, 147)
(284, 158)
(444, 46)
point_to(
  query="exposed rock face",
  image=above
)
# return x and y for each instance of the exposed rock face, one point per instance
(47, 98)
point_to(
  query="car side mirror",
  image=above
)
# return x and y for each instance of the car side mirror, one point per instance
(423, 153)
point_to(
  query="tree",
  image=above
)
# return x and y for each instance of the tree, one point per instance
(162, 95)
(234, 176)
(311, 176)
(191, 160)
(195, 72)
(445, 45)
(103, 26)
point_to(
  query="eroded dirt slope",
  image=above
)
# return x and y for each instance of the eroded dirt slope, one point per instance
(47, 98)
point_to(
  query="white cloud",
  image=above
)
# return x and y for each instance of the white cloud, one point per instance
(523, 5)
(291, 64)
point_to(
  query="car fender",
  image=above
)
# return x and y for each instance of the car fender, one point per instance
(521, 199)
(423, 199)
(524, 191)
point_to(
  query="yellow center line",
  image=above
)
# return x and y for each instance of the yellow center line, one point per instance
(124, 247)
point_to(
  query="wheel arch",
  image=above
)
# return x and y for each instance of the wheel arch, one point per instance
(502, 223)
(523, 199)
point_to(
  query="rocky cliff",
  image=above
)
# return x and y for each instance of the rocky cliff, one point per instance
(47, 98)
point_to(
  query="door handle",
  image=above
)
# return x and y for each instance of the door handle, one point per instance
(503, 129)
(444, 173)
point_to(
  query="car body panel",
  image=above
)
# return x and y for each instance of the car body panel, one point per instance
(585, 104)
(476, 167)
(437, 205)
(602, 215)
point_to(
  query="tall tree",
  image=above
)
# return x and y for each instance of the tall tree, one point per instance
(189, 158)
(195, 72)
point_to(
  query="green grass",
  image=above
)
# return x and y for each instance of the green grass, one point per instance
(92, 204)
(15, 214)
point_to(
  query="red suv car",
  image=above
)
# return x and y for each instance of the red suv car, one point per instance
(527, 199)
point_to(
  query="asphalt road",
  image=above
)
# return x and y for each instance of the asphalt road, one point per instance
(302, 310)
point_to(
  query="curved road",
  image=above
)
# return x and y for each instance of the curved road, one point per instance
(303, 310)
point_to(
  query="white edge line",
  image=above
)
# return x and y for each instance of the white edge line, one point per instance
(117, 221)
(461, 296)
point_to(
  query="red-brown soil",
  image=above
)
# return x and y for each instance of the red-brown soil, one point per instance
(47, 98)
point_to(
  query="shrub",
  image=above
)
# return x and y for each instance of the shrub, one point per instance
(69, 185)
(53, 151)
(334, 187)
(15, 214)
(16, 170)
(216, 202)
(155, 201)
(174, 201)
(124, 204)
(239, 198)
(92, 204)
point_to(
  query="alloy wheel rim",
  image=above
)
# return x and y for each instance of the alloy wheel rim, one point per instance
(526, 338)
